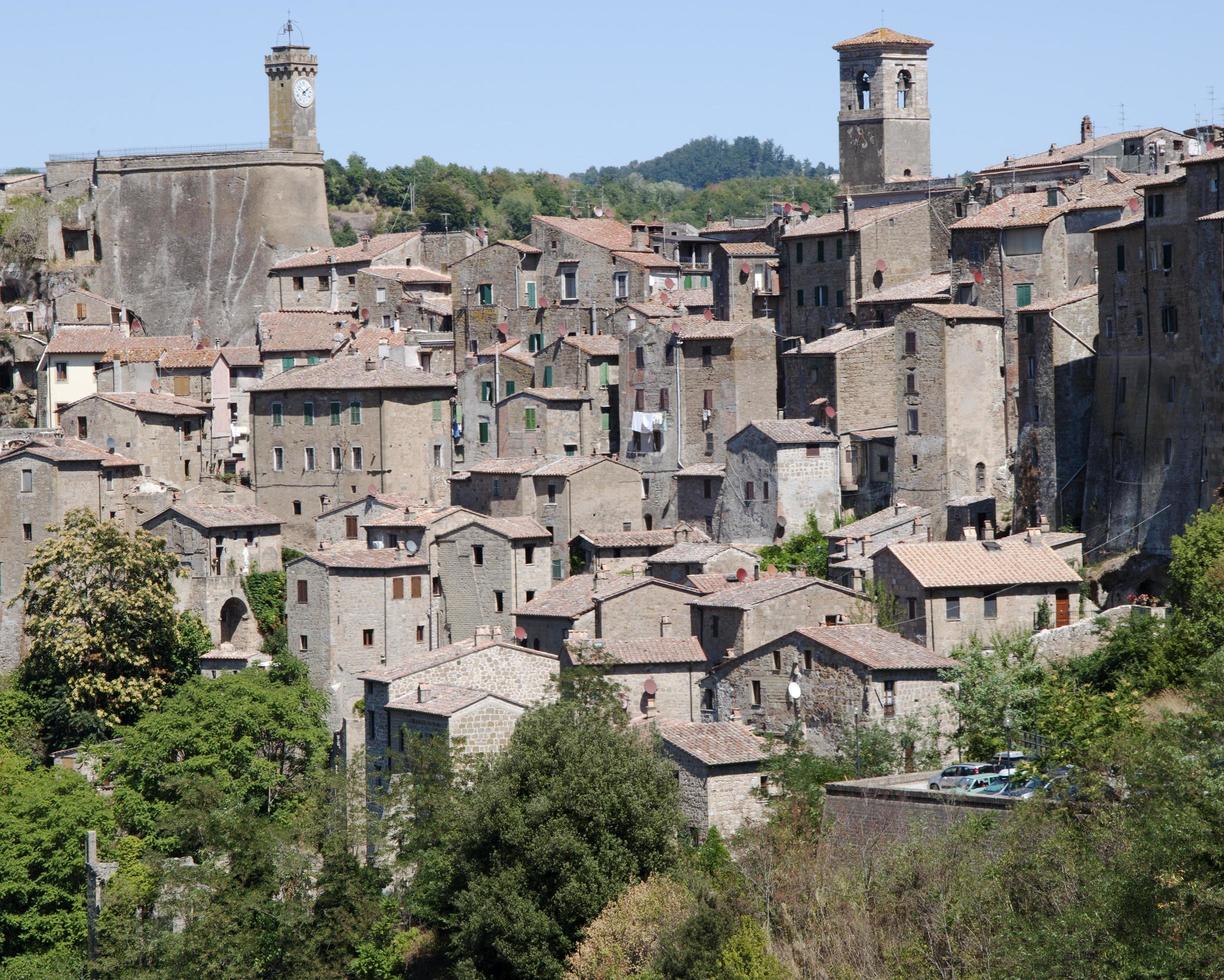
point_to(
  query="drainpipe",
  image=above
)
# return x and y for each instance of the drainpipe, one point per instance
(679, 356)
(1147, 387)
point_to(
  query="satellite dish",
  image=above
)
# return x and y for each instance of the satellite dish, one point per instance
(650, 687)
(793, 690)
(503, 329)
(745, 268)
(365, 313)
(881, 266)
(669, 283)
(1133, 203)
(708, 315)
(520, 633)
(410, 548)
(787, 209)
(978, 277)
(805, 208)
(741, 575)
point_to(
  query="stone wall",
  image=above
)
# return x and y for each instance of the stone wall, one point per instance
(485, 727)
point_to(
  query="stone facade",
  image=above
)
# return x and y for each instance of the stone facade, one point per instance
(486, 380)
(548, 421)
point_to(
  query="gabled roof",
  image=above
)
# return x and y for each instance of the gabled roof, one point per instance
(1069, 153)
(360, 252)
(350, 372)
(976, 564)
(407, 274)
(288, 331)
(791, 432)
(840, 340)
(372, 559)
(210, 516)
(111, 342)
(604, 232)
(755, 592)
(568, 599)
(444, 700)
(644, 652)
(719, 743)
(652, 311)
(709, 582)
(151, 404)
(699, 328)
(237, 356)
(875, 648)
(511, 528)
(597, 345)
(884, 37)
(406, 517)
(551, 395)
(860, 218)
(745, 250)
(715, 470)
(646, 259)
(687, 552)
(67, 450)
(882, 520)
(660, 538)
(934, 287)
(525, 247)
(1066, 299)
(959, 311)
(442, 655)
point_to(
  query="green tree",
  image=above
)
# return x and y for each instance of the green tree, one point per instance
(745, 955)
(105, 641)
(806, 551)
(576, 809)
(993, 688)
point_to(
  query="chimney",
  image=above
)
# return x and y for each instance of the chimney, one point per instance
(195, 330)
(651, 710)
(735, 712)
(1043, 523)
(896, 507)
(1033, 535)
(664, 627)
(365, 242)
(988, 532)
(424, 693)
(756, 572)
(639, 239)
(1085, 129)
(847, 212)
(863, 542)
(370, 364)
(384, 349)
(968, 534)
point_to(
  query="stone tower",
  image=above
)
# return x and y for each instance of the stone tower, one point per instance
(884, 118)
(291, 70)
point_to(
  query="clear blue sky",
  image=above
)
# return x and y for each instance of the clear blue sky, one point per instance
(560, 86)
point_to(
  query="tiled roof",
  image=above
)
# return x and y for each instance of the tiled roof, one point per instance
(524, 247)
(646, 259)
(699, 328)
(513, 528)
(881, 520)
(689, 551)
(598, 345)
(407, 273)
(501, 347)
(1066, 154)
(720, 743)
(841, 340)
(1215, 154)
(618, 586)
(1007, 561)
(882, 36)
(287, 331)
(792, 431)
(748, 249)
(1032, 210)
(112, 343)
(1128, 220)
(664, 650)
(433, 302)
(153, 404)
(360, 252)
(442, 700)
(753, 593)
(702, 470)
(352, 372)
(442, 655)
(932, 287)
(553, 394)
(1066, 299)
(652, 311)
(603, 232)
(407, 517)
(568, 465)
(1214, 216)
(692, 298)
(958, 311)
(661, 538)
(736, 224)
(68, 450)
(376, 559)
(219, 515)
(568, 599)
(369, 339)
(860, 218)
(875, 648)
(205, 357)
(507, 465)
(709, 582)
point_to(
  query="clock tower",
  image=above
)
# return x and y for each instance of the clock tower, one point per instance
(291, 70)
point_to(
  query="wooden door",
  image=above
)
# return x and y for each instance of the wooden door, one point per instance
(1062, 608)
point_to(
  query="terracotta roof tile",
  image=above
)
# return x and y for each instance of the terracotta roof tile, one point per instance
(792, 431)
(880, 521)
(1069, 153)
(568, 599)
(699, 328)
(685, 552)
(875, 648)
(507, 465)
(442, 700)
(67, 450)
(603, 232)
(882, 37)
(360, 252)
(597, 345)
(153, 404)
(351, 372)
(749, 249)
(652, 311)
(513, 528)
(525, 247)
(720, 743)
(643, 652)
(287, 331)
(660, 538)
(958, 311)
(860, 218)
(112, 342)
(646, 259)
(701, 470)
(552, 394)
(932, 287)
(446, 654)
(1066, 299)
(219, 515)
(1007, 561)
(753, 593)
(708, 583)
(695, 298)
(840, 340)
(407, 274)
(375, 559)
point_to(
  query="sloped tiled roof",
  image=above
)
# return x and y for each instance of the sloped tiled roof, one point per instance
(840, 340)
(692, 298)
(352, 372)
(660, 538)
(1066, 299)
(880, 521)
(407, 273)
(652, 311)
(407, 517)
(933, 287)
(507, 465)
(720, 743)
(597, 345)
(567, 599)
(442, 700)
(442, 655)
(68, 450)
(1068, 153)
(604, 232)
(288, 331)
(755, 592)
(1007, 561)
(375, 559)
(749, 249)
(699, 328)
(112, 343)
(220, 515)
(958, 311)
(646, 259)
(789, 432)
(513, 528)
(882, 37)
(860, 218)
(568, 465)
(718, 470)
(553, 394)
(525, 247)
(709, 582)
(360, 252)
(691, 551)
(153, 404)
(663, 650)
(875, 648)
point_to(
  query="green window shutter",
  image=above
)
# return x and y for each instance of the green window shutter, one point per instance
(705, 282)
(308, 413)
(486, 391)
(278, 414)
(355, 412)
(510, 386)
(335, 413)
(688, 282)
(605, 419)
(484, 433)
(547, 375)
(529, 419)
(437, 410)
(287, 363)
(557, 569)
(1024, 294)
(312, 360)
(486, 295)
(531, 295)
(603, 374)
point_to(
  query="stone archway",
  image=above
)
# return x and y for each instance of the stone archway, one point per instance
(233, 615)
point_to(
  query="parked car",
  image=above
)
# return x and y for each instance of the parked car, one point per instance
(992, 785)
(1025, 789)
(1007, 763)
(969, 784)
(947, 779)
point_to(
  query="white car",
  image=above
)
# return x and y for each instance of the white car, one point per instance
(949, 777)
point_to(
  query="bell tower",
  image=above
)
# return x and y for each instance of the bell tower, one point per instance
(884, 118)
(291, 70)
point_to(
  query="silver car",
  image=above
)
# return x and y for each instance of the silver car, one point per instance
(948, 778)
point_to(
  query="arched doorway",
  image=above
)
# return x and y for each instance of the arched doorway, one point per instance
(232, 614)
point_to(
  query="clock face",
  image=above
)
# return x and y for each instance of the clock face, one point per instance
(303, 93)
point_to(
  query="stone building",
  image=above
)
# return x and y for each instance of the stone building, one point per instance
(394, 297)
(626, 552)
(298, 338)
(489, 569)
(218, 541)
(472, 690)
(745, 281)
(686, 385)
(947, 592)
(881, 308)
(494, 373)
(352, 610)
(334, 432)
(1057, 352)
(171, 436)
(355, 521)
(588, 364)
(845, 675)
(43, 477)
(325, 278)
(953, 435)
(698, 493)
(852, 546)
(222, 376)
(660, 677)
(549, 421)
(685, 558)
(720, 774)
(1152, 462)
(740, 618)
(778, 472)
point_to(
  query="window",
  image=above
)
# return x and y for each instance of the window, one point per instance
(620, 285)
(1168, 451)
(822, 296)
(911, 421)
(358, 459)
(510, 388)
(911, 382)
(27, 532)
(436, 585)
(482, 429)
(605, 419)
(911, 342)
(529, 291)
(486, 391)
(313, 359)
(420, 633)
(1171, 390)
(436, 409)
(911, 609)
(548, 376)
(707, 488)
(990, 607)
(1022, 241)
(1109, 326)
(303, 591)
(297, 508)
(287, 363)
(1120, 253)
(1155, 206)
(529, 554)
(1024, 293)
(337, 459)
(663, 399)
(713, 626)
(529, 594)
(604, 371)
(952, 608)
(864, 90)
(812, 450)
(707, 355)
(1139, 326)
(1031, 367)
(415, 580)
(334, 407)
(777, 661)
(569, 282)
(904, 86)
(278, 458)
(535, 343)
(529, 419)
(308, 459)
(839, 298)
(299, 283)
(765, 490)
(1168, 319)
(303, 643)
(749, 490)
(497, 489)
(798, 253)
(308, 413)
(397, 587)
(639, 357)
(278, 414)
(707, 399)
(756, 694)
(499, 601)
(61, 370)
(556, 570)
(838, 252)
(798, 297)
(484, 293)
(1122, 390)
(380, 294)
(979, 477)
(1166, 256)
(27, 481)
(709, 445)
(820, 250)
(478, 555)
(437, 454)
(355, 412)
(367, 638)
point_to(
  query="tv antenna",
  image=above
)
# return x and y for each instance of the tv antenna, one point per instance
(288, 27)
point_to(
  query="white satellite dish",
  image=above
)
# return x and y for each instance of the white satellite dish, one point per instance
(410, 547)
(793, 691)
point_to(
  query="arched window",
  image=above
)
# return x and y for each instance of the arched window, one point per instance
(864, 90)
(979, 475)
(904, 86)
